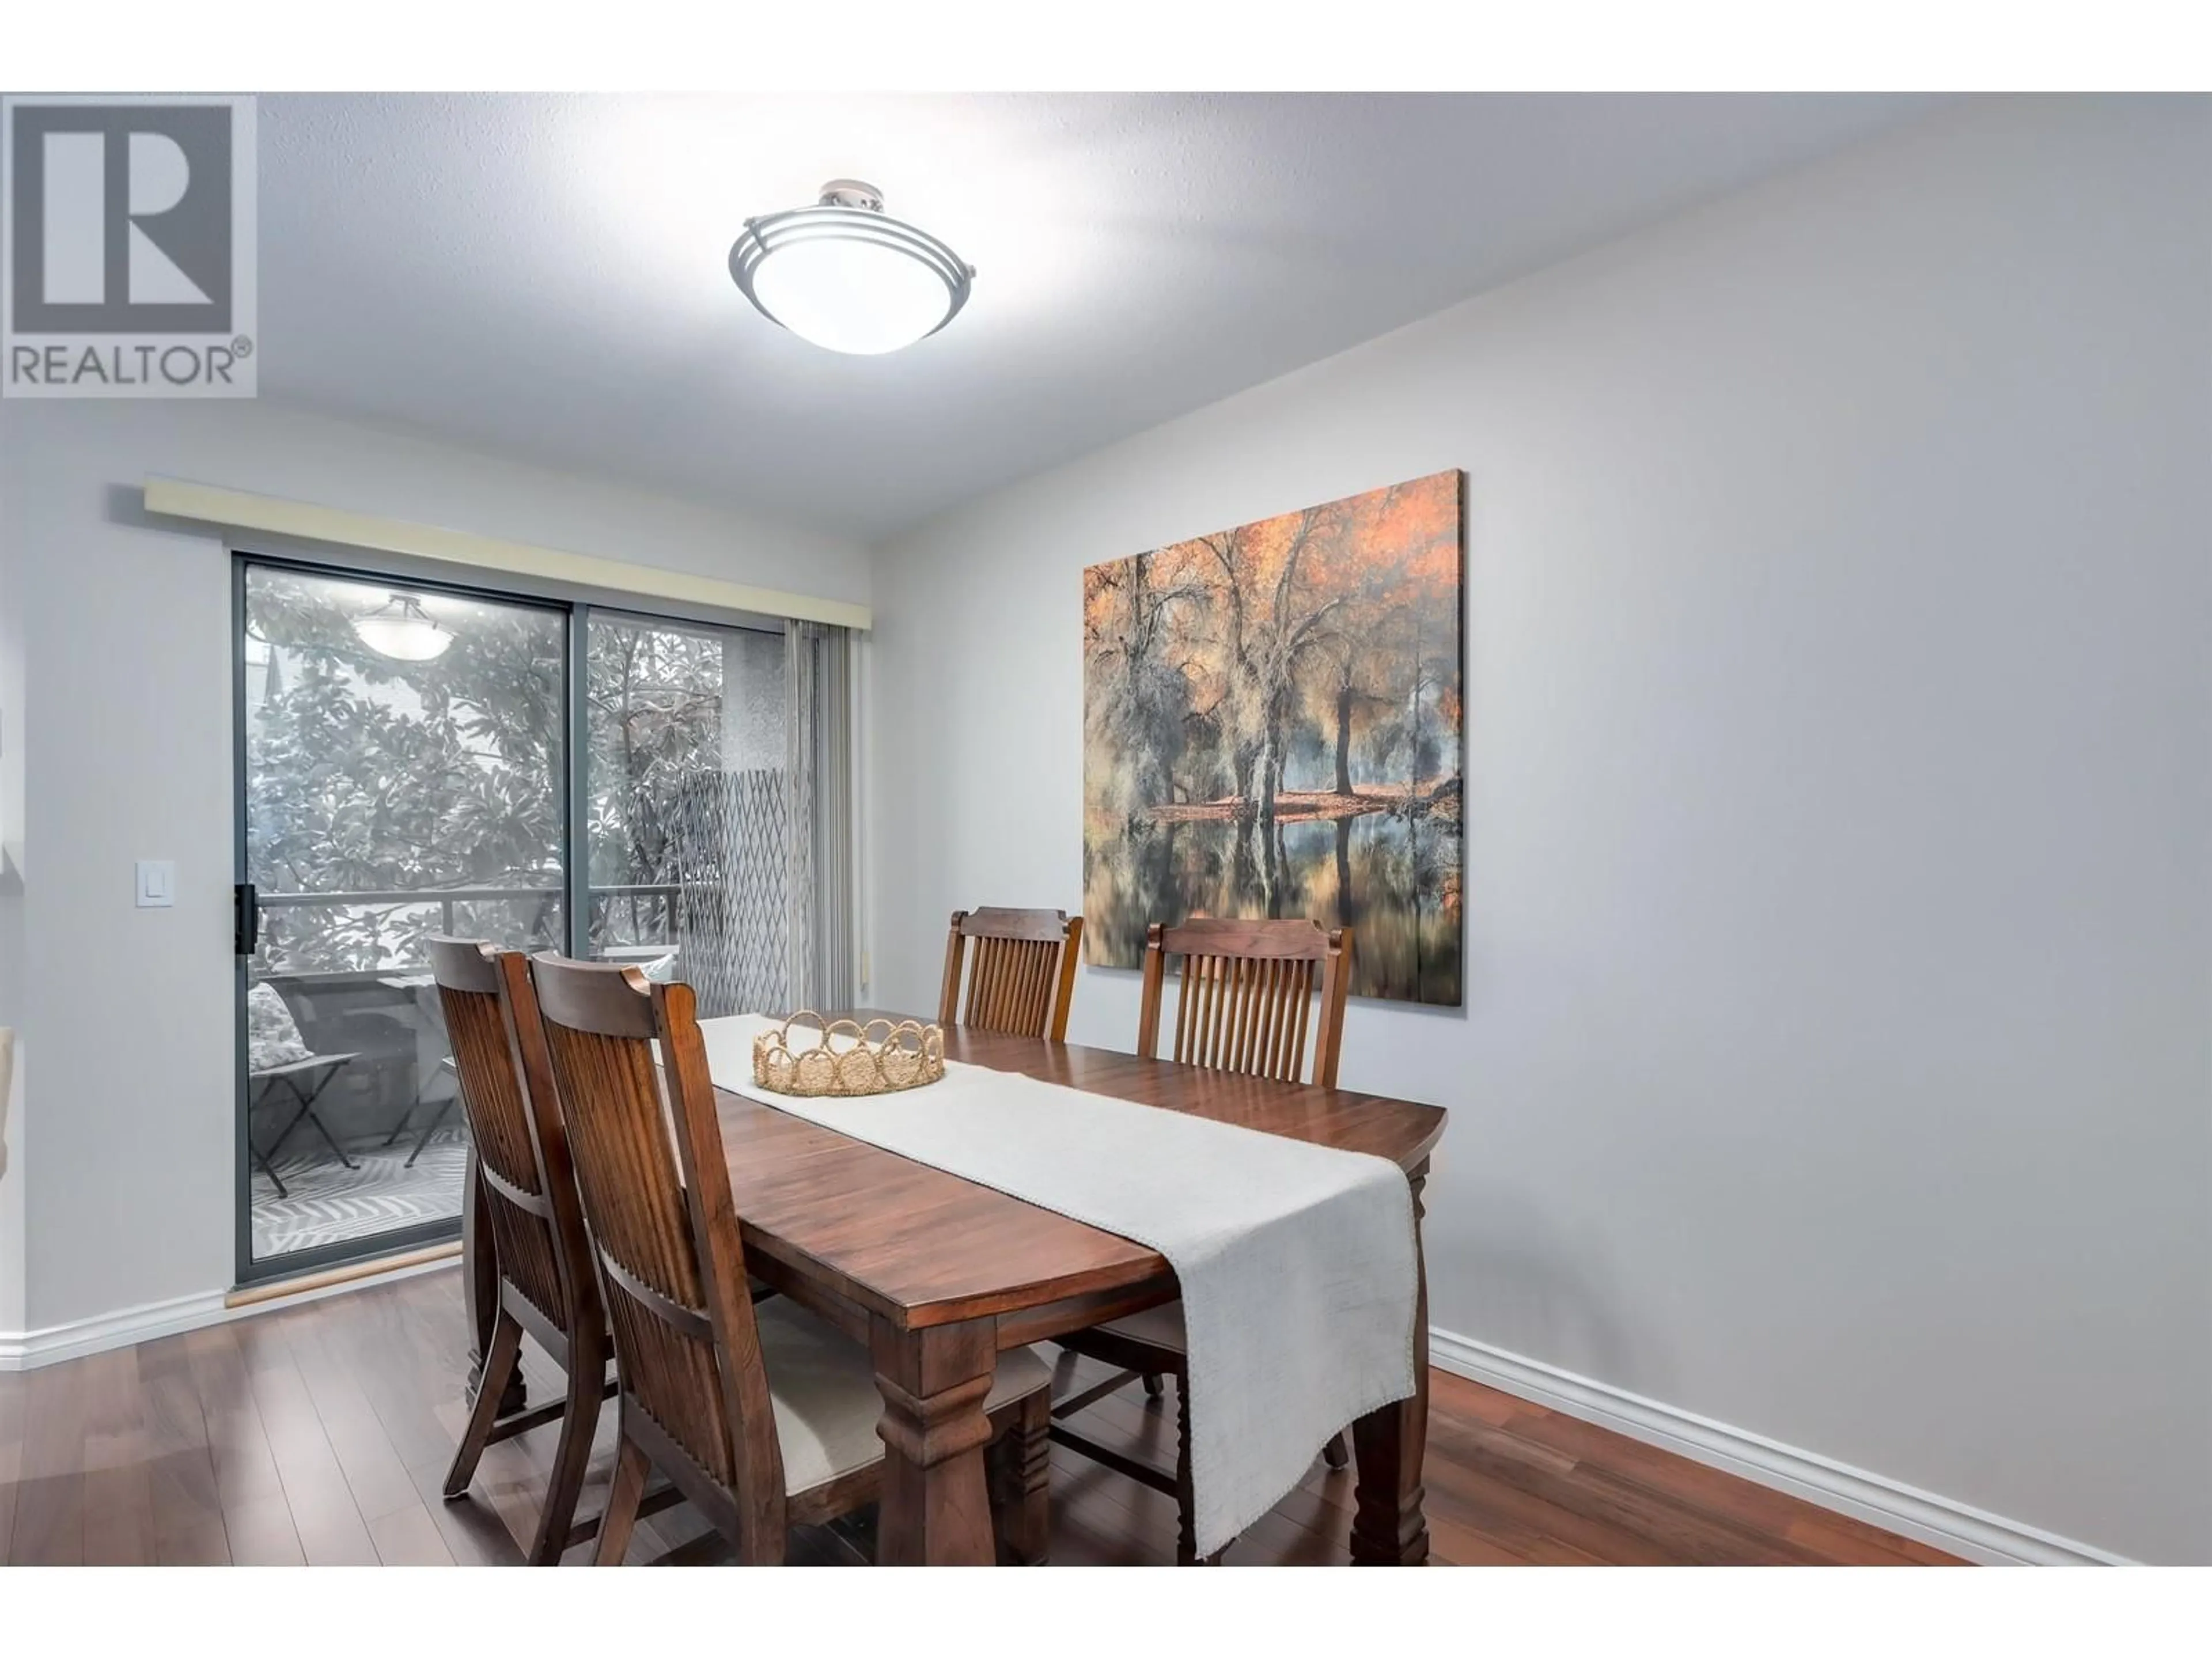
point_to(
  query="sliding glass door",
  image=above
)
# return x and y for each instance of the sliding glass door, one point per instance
(416, 759)
(404, 774)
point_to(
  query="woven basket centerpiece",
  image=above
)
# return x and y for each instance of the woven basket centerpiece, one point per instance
(844, 1057)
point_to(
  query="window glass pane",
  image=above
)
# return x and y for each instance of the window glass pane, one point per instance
(684, 786)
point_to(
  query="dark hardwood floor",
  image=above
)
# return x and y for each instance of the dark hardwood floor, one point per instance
(321, 1434)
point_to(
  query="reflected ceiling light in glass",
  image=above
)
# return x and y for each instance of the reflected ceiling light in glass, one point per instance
(401, 630)
(848, 277)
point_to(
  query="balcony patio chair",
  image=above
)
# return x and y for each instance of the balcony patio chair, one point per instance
(280, 1065)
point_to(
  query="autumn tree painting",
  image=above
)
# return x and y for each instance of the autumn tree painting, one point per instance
(1272, 728)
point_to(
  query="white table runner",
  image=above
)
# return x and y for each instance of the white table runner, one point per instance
(1297, 1262)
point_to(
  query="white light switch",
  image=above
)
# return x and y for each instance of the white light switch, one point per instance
(157, 883)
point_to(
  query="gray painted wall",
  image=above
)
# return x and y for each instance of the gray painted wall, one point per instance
(11, 917)
(1840, 741)
(128, 1109)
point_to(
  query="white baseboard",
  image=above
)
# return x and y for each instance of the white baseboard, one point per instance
(26, 1351)
(1959, 1527)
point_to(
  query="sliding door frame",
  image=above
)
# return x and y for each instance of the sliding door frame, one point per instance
(577, 606)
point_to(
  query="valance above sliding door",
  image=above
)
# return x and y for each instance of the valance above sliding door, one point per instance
(476, 557)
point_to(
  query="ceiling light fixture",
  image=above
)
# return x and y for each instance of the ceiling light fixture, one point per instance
(847, 276)
(400, 628)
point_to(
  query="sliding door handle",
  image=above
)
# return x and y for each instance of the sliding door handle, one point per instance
(245, 919)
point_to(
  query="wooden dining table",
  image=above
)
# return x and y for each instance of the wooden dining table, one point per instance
(938, 1275)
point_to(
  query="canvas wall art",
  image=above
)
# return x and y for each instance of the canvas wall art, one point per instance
(1272, 728)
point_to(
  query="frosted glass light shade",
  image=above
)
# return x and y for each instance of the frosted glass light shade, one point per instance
(856, 297)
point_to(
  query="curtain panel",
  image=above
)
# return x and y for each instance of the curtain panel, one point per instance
(820, 921)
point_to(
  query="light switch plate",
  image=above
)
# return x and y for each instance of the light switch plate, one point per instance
(157, 883)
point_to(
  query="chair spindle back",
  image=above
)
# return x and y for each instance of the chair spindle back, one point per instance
(537, 1226)
(665, 1232)
(1023, 979)
(1246, 993)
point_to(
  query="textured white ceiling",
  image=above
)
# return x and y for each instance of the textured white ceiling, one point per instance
(544, 275)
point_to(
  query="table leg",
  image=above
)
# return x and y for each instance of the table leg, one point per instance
(1388, 1526)
(936, 1505)
(1020, 1464)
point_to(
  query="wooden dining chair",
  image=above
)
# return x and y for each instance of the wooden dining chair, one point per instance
(1245, 993)
(1248, 992)
(546, 1285)
(762, 1415)
(1023, 979)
